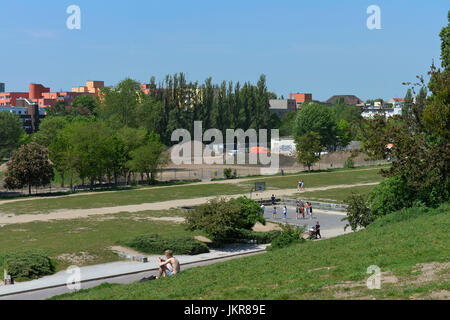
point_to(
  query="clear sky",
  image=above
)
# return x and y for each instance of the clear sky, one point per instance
(323, 47)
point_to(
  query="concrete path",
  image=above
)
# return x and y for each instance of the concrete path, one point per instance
(128, 272)
(6, 219)
(100, 273)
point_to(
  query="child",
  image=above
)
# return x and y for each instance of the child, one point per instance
(274, 213)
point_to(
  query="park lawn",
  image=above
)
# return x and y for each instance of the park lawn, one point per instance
(335, 195)
(329, 269)
(88, 238)
(120, 198)
(149, 195)
(320, 179)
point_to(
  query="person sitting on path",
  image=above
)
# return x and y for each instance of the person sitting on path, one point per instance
(169, 267)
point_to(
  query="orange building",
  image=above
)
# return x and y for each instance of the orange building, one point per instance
(300, 98)
(44, 98)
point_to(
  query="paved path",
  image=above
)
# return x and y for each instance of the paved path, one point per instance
(124, 271)
(127, 272)
(6, 219)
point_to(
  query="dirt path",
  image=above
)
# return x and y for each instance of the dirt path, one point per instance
(6, 219)
(231, 181)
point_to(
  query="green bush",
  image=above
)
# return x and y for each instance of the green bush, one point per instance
(250, 212)
(27, 265)
(389, 196)
(221, 218)
(229, 173)
(358, 213)
(155, 244)
(288, 236)
(349, 163)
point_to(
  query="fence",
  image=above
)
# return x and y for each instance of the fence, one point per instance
(189, 174)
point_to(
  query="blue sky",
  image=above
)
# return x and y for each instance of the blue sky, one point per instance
(321, 46)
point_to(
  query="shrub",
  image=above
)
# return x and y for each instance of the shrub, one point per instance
(250, 212)
(221, 218)
(288, 236)
(389, 196)
(155, 244)
(27, 265)
(358, 213)
(229, 173)
(349, 163)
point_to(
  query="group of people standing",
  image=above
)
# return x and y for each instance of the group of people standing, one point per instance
(303, 208)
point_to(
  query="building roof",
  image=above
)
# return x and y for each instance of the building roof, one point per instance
(348, 99)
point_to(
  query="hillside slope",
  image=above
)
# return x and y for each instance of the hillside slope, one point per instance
(411, 248)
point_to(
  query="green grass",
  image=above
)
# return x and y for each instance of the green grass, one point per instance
(149, 195)
(319, 179)
(113, 199)
(329, 269)
(91, 235)
(336, 195)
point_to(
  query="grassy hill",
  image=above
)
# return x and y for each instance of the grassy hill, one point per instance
(411, 247)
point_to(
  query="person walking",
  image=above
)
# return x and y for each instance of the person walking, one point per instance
(273, 199)
(310, 210)
(285, 212)
(262, 209)
(297, 211)
(274, 213)
(318, 235)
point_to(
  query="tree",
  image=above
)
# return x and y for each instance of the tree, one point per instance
(120, 102)
(48, 130)
(420, 138)
(148, 158)
(317, 118)
(29, 166)
(445, 44)
(308, 149)
(83, 105)
(11, 132)
(287, 124)
(358, 213)
(59, 109)
(344, 133)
